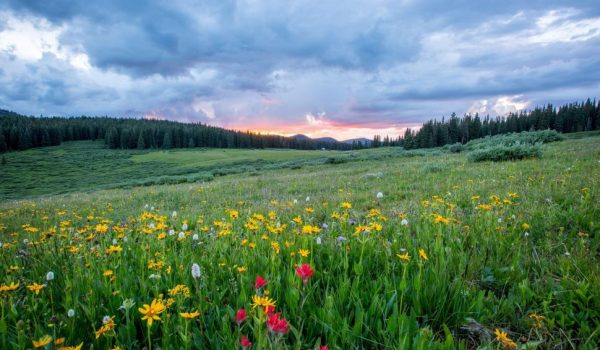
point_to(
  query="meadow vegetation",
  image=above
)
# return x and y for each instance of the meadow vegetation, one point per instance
(391, 249)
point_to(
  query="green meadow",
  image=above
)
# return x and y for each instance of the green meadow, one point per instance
(373, 249)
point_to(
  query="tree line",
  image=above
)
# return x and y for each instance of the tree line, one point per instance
(572, 117)
(19, 132)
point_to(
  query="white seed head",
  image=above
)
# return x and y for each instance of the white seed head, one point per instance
(71, 313)
(196, 273)
(404, 222)
(195, 237)
(49, 276)
(379, 195)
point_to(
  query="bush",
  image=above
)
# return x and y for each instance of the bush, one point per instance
(500, 153)
(456, 148)
(525, 137)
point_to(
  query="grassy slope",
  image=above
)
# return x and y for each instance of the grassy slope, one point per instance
(508, 277)
(86, 165)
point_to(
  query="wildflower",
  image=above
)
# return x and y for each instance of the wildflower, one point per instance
(538, 319)
(267, 304)
(346, 205)
(108, 324)
(190, 315)
(127, 304)
(423, 255)
(259, 282)
(277, 324)
(404, 222)
(245, 342)
(305, 272)
(310, 229)
(78, 347)
(174, 214)
(36, 288)
(9, 288)
(113, 249)
(318, 240)
(152, 311)
(184, 227)
(404, 257)
(49, 276)
(504, 339)
(323, 347)
(43, 341)
(525, 226)
(240, 316)
(242, 269)
(195, 237)
(108, 273)
(71, 313)
(196, 273)
(275, 247)
(304, 253)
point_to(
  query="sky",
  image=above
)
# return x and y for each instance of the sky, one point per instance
(343, 69)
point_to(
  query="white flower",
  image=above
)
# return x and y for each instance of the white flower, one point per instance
(49, 276)
(25, 241)
(146, 206)
(379, 195)
(127, 304)
(404, 222)
(174, 214)
(114, 241)
(307, 199)
(513, 216)
(319, 240)
(295, 201)
(184, 227)
(499, 220)
(152, 209)
(196, 273)
(526, 233)
(195, 237)
(154, 276)
(171, 232)
(71, 313)
(105, 319)
(152, 225)
(125, 239)
(181, 235)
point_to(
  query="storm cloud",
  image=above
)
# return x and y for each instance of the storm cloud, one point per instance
(265, 65)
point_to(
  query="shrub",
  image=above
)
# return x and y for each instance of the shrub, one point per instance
(525, 137)
(456, 148)
(500, 153)
(433, 168)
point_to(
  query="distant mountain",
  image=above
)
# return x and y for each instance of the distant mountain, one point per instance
(363, 140)
(301, 137)
(326, 139)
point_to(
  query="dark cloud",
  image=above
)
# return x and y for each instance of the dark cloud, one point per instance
(362, 63)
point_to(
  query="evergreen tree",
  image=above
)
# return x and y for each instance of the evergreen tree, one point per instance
(140, 142)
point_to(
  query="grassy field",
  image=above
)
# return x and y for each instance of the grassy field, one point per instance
(87, 165)
(453, 254)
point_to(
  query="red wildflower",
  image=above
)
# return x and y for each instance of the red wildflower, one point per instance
(245, 342)
(323, 347)
(276, 324)
(260, 282)
(305, 272)
(240, 316)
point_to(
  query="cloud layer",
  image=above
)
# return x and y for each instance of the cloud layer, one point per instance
(332, 68)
